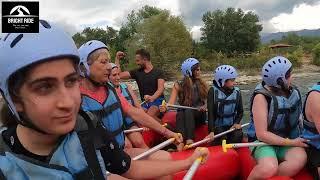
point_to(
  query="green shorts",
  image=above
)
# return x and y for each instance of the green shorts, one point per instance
(269, 151)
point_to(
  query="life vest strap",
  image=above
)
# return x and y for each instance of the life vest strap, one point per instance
(86, 139)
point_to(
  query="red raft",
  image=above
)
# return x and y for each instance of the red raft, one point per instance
(233, 164)
(152, 138)
(219, 166)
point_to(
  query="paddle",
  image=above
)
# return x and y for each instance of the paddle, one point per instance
(140, 129)
(177, 106)
(226, 146)
(193, 169)
(150, 151)
(142, 103)
(154, 149)
(206, 140)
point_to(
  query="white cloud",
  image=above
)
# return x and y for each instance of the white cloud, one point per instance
(196, 33)
(303, 16)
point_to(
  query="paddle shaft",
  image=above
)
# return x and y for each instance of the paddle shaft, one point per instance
(182, 107)
(154, 149)
(206, 140)
(193, 169)
(253, 144)
(150, 151)
(133, 130)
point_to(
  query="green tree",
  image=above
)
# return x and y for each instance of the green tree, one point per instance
(133, 20)
(231, 31)
(316, 55)
(167, 39)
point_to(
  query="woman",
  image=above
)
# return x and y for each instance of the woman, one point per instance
(40, 84)
(311, 115)
(225, 108)
(275, 111)
(133, 139)
(191, 91)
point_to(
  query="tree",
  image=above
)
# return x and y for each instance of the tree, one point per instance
(166, 38)
(133, 20)
(107, 36)
(231, 31)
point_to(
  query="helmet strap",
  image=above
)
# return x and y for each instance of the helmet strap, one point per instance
(25, 121)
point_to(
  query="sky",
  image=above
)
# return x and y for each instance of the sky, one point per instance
(275, 15)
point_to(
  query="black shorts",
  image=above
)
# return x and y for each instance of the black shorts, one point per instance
(313, 160)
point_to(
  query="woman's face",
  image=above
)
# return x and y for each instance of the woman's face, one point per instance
(230, 83)
(115, 77)
(98, 68)
(50, 96)
(196, 73)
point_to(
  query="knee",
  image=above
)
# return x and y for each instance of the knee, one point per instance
(139, 143)
(161, 155)
(268, 169)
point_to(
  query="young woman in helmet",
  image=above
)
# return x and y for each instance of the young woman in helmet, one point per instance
(275, 110)
(191, 91)
(311, 125)
(133, 139)
(40, 85)
(225, 108)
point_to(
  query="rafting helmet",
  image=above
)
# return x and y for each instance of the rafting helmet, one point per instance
(223, 73)
(113, 65)
(187, 65)
(274, 71)
(85, 50)
(18, 50)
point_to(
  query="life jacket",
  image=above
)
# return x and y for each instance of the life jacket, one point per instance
(283, 113)
(310, 131)
(75, 157)
(226, 106)
(110, 112)
(128, 122)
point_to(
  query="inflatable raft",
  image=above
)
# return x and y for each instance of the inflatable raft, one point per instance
(235, 164)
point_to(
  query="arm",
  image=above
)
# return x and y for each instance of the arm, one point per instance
(313, 108)
(134, 97)
(153, 169)
(260, 115)
(138, 115)
(124, 74)
(174, 93)
(160, 89)
(239, 110)
(211, 110)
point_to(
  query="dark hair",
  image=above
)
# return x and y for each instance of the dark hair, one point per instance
(15, 83)
(143, 53)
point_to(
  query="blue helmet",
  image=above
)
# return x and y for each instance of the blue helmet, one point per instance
(274, 70)
(18, 50)
(85, 50)
(223, 73)
(186, 67)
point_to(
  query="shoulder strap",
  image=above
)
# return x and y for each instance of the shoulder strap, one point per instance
(86, 139)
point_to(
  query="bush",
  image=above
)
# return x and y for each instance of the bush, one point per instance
(316, 55)
(296, 56)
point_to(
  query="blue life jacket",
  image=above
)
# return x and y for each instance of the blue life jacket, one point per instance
(309, 129)
(128, 122)
(110, 112)
(283, 113)
(226, 106)
(74, 158)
